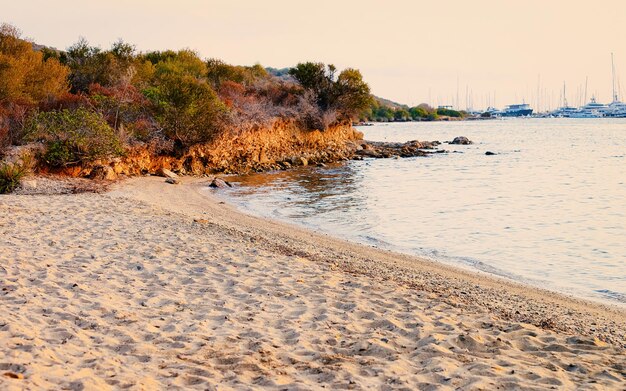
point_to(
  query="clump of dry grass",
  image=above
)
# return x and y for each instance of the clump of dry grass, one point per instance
(11, 174)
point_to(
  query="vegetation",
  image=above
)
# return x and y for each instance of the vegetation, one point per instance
(73, 136)
(12, 174)
(86, 103)
(345, 96)
(381, 110)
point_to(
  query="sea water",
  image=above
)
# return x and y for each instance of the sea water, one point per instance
(548, 209)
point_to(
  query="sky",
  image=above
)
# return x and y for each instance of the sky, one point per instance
(457, 52)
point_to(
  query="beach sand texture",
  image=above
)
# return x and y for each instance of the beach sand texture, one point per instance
(157, 286)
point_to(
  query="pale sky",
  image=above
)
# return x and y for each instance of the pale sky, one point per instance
(408, 51)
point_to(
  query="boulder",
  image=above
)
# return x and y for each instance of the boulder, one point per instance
(218, 183)
(103, 173)
(489, 153)
(172, 181)
(164, 172)
(461, 140)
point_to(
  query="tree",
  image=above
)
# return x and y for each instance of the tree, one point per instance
(315, 77)
(347, 96)
(352, 93)
(418, 112)
(25, 77)
(217, 72)
(401, 115)
(90, 65)
(26, 80)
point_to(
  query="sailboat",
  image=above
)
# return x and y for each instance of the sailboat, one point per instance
(565, 111)
(616, 109)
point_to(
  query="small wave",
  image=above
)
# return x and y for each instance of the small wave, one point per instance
(616, 296)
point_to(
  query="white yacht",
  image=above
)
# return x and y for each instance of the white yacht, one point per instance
(565, 112)
(519, 110)
(616, 109)
(592, 109)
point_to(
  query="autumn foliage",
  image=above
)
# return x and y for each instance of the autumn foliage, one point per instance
(86, 103)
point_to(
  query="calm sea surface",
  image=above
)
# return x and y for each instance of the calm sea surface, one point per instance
(549, 209)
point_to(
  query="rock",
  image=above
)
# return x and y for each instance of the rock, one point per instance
(164, 172)
(218, 183)
(369, 153)
(103, 173)
(29, 184)
(489, 153)
(461, 140)
(299, 161)
(172, 181)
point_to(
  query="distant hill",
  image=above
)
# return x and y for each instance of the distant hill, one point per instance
(39, 48)
(282, 73)
(389, 103)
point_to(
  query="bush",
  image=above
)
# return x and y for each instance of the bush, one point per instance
(73, 136)
(25, 76)
(187, 109)
(449, 112)
(11, 175)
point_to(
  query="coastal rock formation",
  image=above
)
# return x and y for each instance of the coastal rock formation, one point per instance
(280, 147)
(461, 140)
(276, 148)
(387, 149)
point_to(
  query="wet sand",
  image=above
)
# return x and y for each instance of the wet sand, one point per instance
(158, 286)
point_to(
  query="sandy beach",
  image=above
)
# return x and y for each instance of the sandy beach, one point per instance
(156, 286)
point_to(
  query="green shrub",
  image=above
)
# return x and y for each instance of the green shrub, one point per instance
(188, 110)
(73, 136)
(11, 175)
(59, 153)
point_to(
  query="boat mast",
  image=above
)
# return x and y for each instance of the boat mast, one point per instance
(613, 72)
(586, 80)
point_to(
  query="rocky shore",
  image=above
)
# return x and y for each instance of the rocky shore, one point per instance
(279, 148)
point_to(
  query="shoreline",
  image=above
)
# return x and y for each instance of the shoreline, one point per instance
(154, 286)
(406, 269)
(500, 274)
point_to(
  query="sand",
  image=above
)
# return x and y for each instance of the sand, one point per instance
(157, 286)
